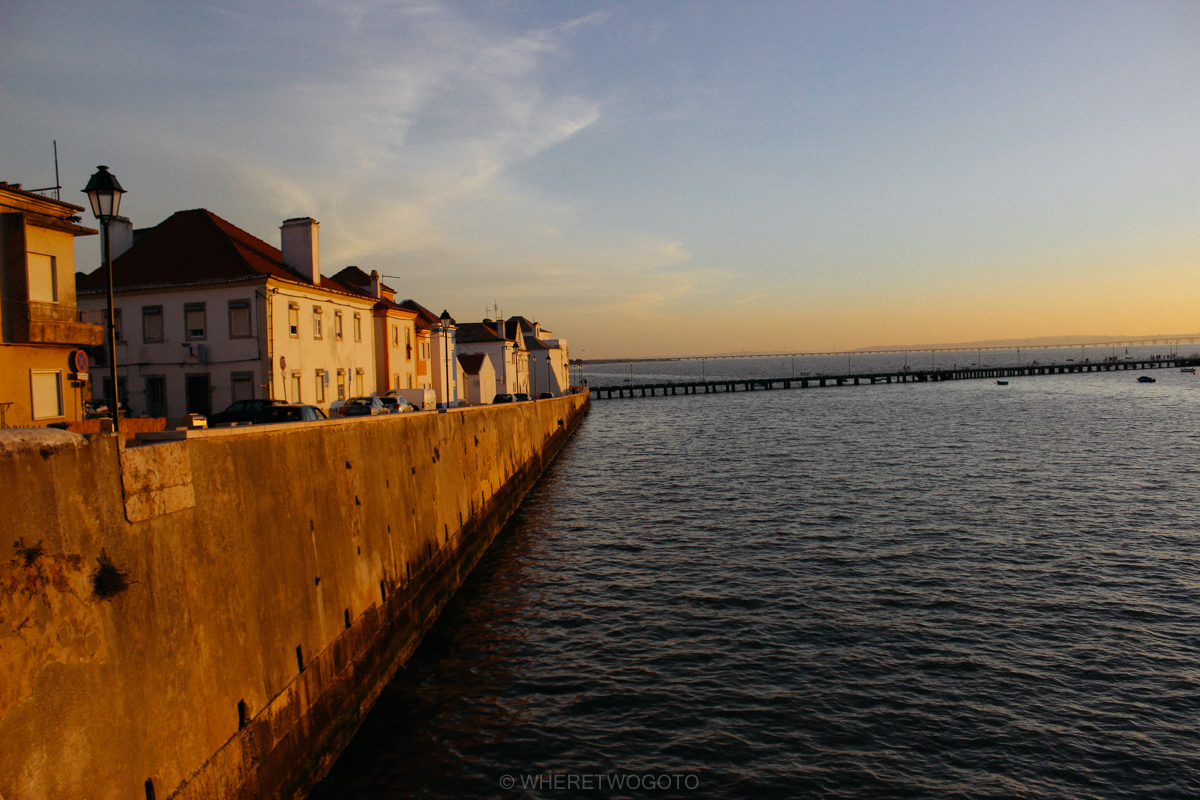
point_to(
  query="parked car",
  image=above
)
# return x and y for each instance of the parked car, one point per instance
(363, 407)
(242, 411)
(288, 412)
(521, 397)
(421, 399)
(396, 405)
(502, 398)
(546, 396)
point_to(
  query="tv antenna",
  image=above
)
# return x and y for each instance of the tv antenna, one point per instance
(57, 187)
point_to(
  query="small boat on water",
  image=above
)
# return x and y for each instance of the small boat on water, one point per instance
(1145, 379)
(1190, 370)
(1002, 383)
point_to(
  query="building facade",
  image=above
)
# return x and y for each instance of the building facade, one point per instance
(549, 360)
(209, 314)
(41, 329)
(509, 363)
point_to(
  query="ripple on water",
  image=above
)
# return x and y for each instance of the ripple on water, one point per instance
(895, 591)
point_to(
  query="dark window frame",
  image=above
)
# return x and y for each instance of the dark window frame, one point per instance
(189, 308)
(237, 305)
(153, 311)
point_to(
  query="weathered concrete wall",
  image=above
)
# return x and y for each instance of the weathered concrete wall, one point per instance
(248, 552)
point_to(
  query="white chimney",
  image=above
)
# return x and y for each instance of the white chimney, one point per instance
(301, 247)
(375, 290)
(120, 236)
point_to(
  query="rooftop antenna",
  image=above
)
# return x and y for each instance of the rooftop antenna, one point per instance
(57, 187)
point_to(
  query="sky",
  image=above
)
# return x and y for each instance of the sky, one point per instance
(658, 178)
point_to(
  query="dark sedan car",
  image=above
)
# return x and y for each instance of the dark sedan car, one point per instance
(241, 411)
(521, 397)
(362, 407)
(502, 398)
(292, 412)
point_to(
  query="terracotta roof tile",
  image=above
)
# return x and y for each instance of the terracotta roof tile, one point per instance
(197, 247)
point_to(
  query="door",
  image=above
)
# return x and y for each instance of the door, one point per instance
(196, 387)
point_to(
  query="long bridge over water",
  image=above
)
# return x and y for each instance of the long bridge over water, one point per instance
(725, 385)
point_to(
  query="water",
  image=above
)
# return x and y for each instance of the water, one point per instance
(953, 590)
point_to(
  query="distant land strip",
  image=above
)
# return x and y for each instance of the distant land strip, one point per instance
(1041, 342)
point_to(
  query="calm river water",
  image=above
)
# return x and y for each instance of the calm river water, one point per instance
(930, 590)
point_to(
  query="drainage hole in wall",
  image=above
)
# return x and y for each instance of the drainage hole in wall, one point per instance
(346, 616)
(299, 658)
(243, 717)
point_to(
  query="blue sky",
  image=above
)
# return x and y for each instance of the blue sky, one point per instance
(653, 178)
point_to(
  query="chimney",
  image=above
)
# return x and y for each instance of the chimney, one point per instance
(375, 290)
(120, 236)
(301, 247)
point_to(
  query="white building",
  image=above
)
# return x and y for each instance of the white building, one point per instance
(549, 360)
(209, 314)
(509, 362)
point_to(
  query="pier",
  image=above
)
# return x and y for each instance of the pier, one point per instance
(725, 385)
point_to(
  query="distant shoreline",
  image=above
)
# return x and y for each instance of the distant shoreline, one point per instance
(985, 344)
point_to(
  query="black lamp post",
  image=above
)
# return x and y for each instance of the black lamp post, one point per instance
(516, 365)
(105, 192)
(447, 321)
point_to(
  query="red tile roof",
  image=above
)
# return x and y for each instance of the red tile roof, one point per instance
(426, 319)
(478, 332)
(196, 247)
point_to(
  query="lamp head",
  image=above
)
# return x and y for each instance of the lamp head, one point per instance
(104, 192)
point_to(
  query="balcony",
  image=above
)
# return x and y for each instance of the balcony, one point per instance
(53, 323)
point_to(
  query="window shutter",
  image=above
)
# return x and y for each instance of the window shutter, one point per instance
(46, 388)
(43, 288)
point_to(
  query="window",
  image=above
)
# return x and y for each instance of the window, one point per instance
(395, 381)
(317, 312)
(239, 319)
(121, 390)
(117, 329)
(358, 382)
(321, 381)
(193, 320)
(358, 327)
(43, 279)
(293, 320)
(45, 386)
(241, 386)
(337, 325)
(341, 384)
(395, 336)
(295, 398)
(152, 324)
(408, 344)
(156, 395)
(424, 350)
(409, 377)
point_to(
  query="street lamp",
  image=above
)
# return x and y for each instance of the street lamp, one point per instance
(105, 192)
(446, 323)
(516, 366)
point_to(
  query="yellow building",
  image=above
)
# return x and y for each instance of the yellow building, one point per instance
(40, 327)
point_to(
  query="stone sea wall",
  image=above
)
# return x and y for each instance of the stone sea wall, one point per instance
(265, 584)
